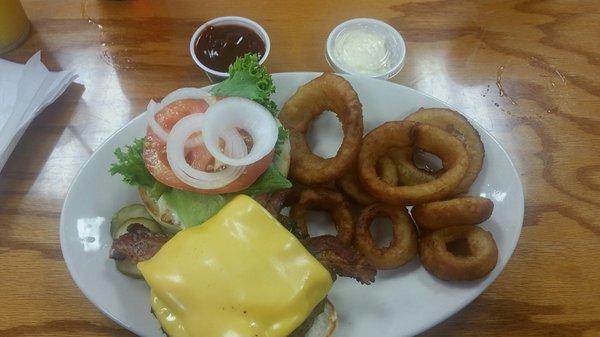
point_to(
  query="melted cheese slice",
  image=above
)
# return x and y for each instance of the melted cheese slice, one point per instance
(239, 274)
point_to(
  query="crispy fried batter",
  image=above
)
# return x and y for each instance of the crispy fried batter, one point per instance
(403, 247)
(453, 212)
(459, 253)
(408, 173)
(326, 92)
(328, 200)
(430, 139)
(387, 170)
(352, 187)
(458, 126)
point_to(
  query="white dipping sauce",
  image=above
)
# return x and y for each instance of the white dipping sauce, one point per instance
(363, 50)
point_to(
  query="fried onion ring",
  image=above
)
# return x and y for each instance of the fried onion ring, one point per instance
(459, 253)
(453, 212)
(351, 186)
(408, 173)
(458, 126)
(326, 92)
(404, 242)
(327, 200)
(387, 170)
(429, 138)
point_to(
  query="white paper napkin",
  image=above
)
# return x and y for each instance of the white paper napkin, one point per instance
(25, 91)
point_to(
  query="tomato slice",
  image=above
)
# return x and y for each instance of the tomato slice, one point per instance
(155, 152)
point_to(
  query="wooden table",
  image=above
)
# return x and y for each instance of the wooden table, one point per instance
(546, 56)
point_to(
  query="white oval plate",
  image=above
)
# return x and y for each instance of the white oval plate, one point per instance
(402, 302)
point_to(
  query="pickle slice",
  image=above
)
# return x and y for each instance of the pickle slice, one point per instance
(126, 213)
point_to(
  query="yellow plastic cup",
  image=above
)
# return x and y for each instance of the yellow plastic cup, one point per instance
(14, 25)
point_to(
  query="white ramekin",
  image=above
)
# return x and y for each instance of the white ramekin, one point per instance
(217, 76)
(395, 39)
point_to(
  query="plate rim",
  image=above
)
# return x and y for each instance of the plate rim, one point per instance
(311, 75)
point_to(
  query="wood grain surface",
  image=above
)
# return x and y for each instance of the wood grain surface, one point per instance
(545, 54)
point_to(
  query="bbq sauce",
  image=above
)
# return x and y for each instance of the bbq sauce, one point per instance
(218, 46)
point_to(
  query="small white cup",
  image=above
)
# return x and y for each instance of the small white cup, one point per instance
(218, 76)
(393, 37)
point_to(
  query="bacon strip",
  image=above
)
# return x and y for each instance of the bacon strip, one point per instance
(138, 244)
(276, 201)
(340, 259)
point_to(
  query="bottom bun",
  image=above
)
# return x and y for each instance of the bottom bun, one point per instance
(321, 322)
(163, 215)
(324, 325)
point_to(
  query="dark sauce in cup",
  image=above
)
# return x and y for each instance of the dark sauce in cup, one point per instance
(218, 46)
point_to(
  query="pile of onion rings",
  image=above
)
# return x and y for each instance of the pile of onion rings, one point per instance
(383, 172)
(440, 132)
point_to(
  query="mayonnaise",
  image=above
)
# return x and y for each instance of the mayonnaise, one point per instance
(366, 47)
(361, 49)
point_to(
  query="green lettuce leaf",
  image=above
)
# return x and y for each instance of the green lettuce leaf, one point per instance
(194, 208)
(269, 181)
(282, 136)
(130, 164)
(247, 78)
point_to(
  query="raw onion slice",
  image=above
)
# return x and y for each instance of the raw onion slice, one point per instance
(234, 146)
(161, 132)
(188, 93)
(179, 94)
(194, 141)
(151, 110)
(239, 113)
